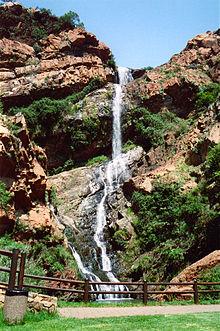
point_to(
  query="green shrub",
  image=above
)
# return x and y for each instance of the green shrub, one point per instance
(128, 146)
(150, 128)
(5, 197)
(43, 257)
(121, 238)
(46, 115)
(39, 33)
(211, 275)
(148, 68)
(212, 163)
(170, 226)
(111, 63)
(211, 184)
(207, 95)
(97, 160)
(1, 108)
(70, 18)
(53, 196)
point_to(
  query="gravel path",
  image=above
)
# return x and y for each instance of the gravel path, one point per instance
(90, 312)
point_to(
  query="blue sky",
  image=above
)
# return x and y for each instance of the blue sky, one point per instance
(140, 33)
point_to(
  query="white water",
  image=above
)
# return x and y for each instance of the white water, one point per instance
(111, 176)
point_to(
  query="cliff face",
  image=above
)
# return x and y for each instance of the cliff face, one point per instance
(22, 174)
(77, 128)
(173, 85)
(55, 66)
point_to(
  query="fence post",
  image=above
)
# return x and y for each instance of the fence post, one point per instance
(145, 294)
(86, 291)
(21, 271)
(14, 263)
(196, 294)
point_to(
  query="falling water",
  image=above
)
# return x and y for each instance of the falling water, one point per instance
(111, 176)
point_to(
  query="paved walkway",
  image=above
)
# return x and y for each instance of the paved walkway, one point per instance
(96, 312)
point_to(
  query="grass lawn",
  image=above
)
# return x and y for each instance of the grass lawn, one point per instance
(45, 322)
(134, 303)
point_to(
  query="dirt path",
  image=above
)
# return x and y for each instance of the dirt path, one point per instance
(89, 312)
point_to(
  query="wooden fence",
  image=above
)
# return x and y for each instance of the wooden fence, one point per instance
(89, 289)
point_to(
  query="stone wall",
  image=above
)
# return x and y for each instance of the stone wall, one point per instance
(36, 302)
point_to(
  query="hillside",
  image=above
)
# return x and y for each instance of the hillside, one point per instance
(160, 197)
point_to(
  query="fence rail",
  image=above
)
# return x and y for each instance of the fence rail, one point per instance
(88, 289)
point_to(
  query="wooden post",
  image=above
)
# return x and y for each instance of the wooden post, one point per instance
(21, 271)
(145, 294)
(14, 263)
(86, 291)
(196, 294)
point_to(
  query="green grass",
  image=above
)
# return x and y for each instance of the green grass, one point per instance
(134, 303)
(46, 322)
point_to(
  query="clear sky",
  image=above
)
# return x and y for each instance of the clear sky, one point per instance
(140, 33)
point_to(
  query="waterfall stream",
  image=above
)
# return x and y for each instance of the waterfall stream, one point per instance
(112, 175)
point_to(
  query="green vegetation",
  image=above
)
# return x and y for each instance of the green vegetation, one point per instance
(97, 160)
(68, 165)
(46, 116)
(53, 196)
(210, 186)
(44, 257)
(207, 95)
(1, 108)
(121, 237)
(128, 146)
(70, 19)
(35, 25)
(111, 63)
(150, 129)
(148, 68)
(5, 197)
(172, 226)
(211, 275)
(44, 321)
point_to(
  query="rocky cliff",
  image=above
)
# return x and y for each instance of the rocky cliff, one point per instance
(24, 181)
(60, 64)
(173, 85)
(163, 218)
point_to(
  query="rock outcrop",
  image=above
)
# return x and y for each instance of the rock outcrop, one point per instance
(65, 64)
(192, 272)
(60, 64)
(22, 173)
(173, 85)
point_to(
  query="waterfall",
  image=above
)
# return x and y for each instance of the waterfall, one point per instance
(111, 176)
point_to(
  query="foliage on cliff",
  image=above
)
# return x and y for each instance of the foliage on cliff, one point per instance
(30, 25)
(174, 228)
(46, 116)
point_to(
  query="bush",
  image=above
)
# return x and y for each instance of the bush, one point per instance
(5, 197)
(212, 163)
(39, 33)
(211, 275)
(207, 95)
(111, 63)
(46, 115)
(171, 226)
(97, 160)
(150, 128)
(43, 258)
(72, 19)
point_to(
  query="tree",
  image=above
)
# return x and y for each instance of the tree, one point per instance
(71, 18)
